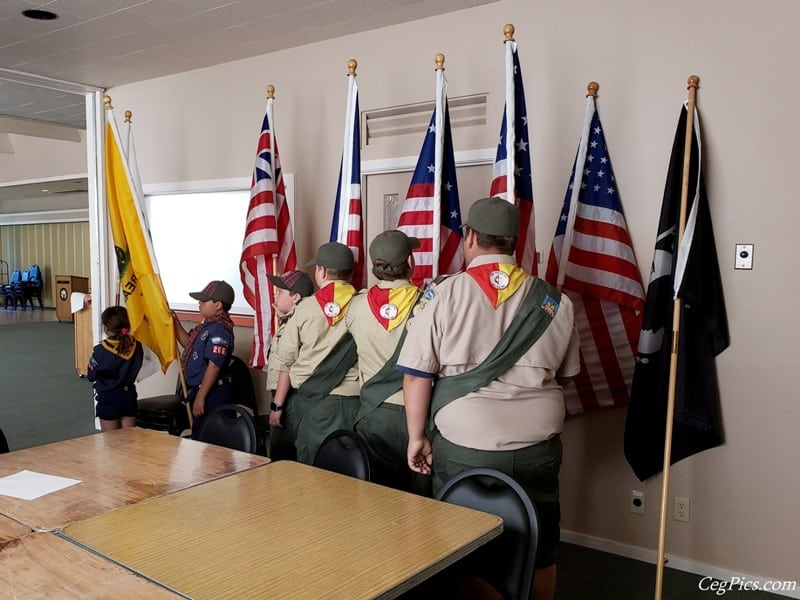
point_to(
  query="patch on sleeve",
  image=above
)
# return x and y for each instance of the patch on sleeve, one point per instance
(550, 306)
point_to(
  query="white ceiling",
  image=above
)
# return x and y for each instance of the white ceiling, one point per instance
(104, 43)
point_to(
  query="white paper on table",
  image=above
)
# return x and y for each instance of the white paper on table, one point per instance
(29, 485)
(76, 301)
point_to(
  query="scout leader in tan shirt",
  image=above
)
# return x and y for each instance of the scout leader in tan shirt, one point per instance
(316, 356)
(377, 318)
(512, 418)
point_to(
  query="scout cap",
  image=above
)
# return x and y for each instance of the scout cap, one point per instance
(494, 216)
(392, 246)
(216, 291)
(333, 255)
(295, 281)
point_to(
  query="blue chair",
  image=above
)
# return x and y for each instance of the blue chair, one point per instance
(8, 289)
(506, 562)
(33, 289)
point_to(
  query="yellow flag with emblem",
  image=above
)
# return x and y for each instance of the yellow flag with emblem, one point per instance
(148, 311)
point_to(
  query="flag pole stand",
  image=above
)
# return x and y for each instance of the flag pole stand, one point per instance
(692, 84)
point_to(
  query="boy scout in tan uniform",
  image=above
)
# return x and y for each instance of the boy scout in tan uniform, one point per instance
(290, 288)
(316, 356)
(377, 319)
(512, 418)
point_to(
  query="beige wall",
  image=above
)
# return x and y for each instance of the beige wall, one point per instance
(204, 124)
(39, 158)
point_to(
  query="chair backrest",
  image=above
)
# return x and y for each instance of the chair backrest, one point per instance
(507, 561)
(3, 443)
(16, 276)
(25, 276)
(230, 425)
(343, 452)
(244, 392)
(34, 274)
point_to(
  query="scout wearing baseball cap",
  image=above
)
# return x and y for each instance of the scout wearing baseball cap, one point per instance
(216, 291)
(393, 247)
(295, 281)
(333, 255)
(494, 216)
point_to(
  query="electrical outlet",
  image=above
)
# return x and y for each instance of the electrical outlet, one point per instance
(682, 509)
(637, 502)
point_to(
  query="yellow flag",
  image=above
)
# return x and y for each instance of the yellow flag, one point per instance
(151, 321)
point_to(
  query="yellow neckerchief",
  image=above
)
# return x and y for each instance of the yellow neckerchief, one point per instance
(113, 347)
(498, 280)
(391, 305)
(333, 299)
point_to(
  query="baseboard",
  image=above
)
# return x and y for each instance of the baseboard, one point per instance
(679, 563)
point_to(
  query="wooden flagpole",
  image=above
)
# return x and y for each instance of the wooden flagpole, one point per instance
(692, 84)
(271, 96)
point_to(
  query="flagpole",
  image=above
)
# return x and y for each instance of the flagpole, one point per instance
(511, 117)
(438, 154)
(692, 84)
(270, 100)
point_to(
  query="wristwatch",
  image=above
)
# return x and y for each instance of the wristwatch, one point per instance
(275, 407)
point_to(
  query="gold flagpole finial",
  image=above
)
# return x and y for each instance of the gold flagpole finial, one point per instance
(591, 89)
(107, 101)
(270, 92)
(128, 116)
(508, 33)
(352, 65)
(439, 60)
(692, 82)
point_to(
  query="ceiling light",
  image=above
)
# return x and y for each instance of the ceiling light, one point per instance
(45, 191)
(39, 15)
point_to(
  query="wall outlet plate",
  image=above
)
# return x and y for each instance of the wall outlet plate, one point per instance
(744, 256)
(682, 509)
(637, 502)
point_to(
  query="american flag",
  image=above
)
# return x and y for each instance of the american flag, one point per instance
(268, 246)
(592, 260)
(512, 165)
(432, 211)
(347, 225)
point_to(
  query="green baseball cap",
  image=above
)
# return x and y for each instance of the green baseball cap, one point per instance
(392, 246)
(494, 216)
(333, 255)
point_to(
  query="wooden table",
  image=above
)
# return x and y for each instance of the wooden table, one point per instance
(116, 468)
(10, 529)
(44, 566)
(288, 530)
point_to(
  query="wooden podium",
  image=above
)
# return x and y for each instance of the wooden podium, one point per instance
(83, 339)
(65, 285)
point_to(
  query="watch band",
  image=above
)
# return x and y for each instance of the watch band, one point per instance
(275, 407)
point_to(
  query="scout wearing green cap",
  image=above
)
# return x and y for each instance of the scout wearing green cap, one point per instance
(494, 216)
(333, 255)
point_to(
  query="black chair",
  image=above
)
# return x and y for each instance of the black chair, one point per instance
(8, 289)
(33, 288)
(506, 562)
(344, 452)
(3, 443)
(230, 425)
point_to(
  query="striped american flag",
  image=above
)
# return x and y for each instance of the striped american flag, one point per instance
(268, 246)
(432, 211)
(592, 260)
(347, 225)
(512, 164)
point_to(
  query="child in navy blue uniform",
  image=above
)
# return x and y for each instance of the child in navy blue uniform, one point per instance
(113, 368)
(206, 349)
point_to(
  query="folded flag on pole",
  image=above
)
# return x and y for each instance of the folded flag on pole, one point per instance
(431, 211)
(689, 272)
(512, 175)
(268, 246)
(592, 260)
(347, 226)
(140, 285)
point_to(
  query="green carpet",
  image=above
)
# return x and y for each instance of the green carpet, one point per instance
(42, 399)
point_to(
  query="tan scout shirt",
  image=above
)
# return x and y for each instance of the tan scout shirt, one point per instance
(375, 344)
(306, 340)
(458, 329)
(274, 367)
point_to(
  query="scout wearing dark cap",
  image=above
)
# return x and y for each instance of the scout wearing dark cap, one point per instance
(333, 255)
(393, 247)
(216, 291)
(494, 216)
(295, 281)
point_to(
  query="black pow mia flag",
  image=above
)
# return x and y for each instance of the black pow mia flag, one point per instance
(697, 424)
